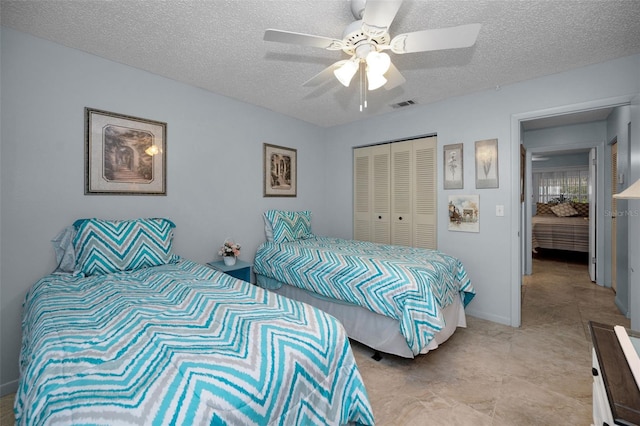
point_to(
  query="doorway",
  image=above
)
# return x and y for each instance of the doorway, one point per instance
(519, 220)
(614, 208)
(561, 224)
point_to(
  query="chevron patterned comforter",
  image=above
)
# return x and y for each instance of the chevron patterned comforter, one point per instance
(181, 344)
(408, 284)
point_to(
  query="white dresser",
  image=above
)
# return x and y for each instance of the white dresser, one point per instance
(616, 396)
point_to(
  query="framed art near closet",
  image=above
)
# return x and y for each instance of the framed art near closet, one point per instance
(453, 166)
(464, 213)
(487, 164)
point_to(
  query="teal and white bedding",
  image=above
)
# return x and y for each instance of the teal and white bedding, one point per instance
(181, 344)
(408, 284)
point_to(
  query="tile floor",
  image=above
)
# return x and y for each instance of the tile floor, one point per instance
(491, 374)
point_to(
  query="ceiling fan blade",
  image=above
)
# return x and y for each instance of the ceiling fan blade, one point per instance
(324, 75)
(378, 15)
(303, 39)
(438, 39)
(394, 78)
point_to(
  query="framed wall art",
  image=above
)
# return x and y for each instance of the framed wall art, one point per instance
(124, 155)
(487, 164)
(464, 213)
(453, 166)
(280, 171)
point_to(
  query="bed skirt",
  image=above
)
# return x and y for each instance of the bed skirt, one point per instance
(369, 328)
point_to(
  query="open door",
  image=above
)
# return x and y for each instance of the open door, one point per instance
(592, 214)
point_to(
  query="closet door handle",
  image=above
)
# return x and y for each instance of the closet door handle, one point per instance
(400, 218)
(594, 371)
(379, 217)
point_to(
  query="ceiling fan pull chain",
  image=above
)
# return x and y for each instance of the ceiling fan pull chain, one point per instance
(361, 83)
(363, 87)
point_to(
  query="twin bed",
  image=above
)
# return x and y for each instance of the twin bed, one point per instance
(128, 333)
(399, 300)
(125, 331)
(561, 227)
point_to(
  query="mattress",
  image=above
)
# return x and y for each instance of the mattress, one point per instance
(407, 284)
(373, 330)
(181, 344)
(560, 233)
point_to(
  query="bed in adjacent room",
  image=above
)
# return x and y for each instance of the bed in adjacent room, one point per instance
(561, 227)
(399, 300)
(128, 333)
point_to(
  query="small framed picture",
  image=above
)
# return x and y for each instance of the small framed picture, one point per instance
(124, 155)
(487, 164)
(280, 171)
(464, 213)
(453, 166)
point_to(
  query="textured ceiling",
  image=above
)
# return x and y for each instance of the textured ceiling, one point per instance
(218, 45)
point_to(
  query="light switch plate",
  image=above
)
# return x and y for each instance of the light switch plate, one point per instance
(499, 210)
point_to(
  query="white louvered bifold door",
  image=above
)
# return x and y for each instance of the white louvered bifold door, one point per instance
(425, 208)
(395, 193)
(380, 194)
(361, 195)
(402, 193)
(371, 194)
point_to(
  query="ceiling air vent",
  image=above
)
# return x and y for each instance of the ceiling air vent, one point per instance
(403, 104)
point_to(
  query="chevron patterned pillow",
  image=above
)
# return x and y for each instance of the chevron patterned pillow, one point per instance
(106, 246)
(288, 225)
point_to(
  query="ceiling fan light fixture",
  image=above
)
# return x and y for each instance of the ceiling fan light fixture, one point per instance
(345, 73)
(378, 62)
(375, 81)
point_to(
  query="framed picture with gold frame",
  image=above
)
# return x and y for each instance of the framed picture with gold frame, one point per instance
(280, 171)
(124, 155)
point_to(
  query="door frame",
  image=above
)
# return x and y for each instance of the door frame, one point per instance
(528, 203)
(517, 228)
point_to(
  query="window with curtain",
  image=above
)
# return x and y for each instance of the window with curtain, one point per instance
(562, 186)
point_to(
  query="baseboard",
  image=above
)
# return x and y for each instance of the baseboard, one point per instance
(488, 317)
(623, 309)
(7, 388)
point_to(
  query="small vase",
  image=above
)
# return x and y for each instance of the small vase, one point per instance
(229, 260)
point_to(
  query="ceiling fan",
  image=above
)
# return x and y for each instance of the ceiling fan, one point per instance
(366, 40)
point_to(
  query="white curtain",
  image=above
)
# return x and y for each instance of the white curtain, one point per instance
(561, 186)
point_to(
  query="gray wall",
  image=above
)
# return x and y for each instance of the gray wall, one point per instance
(46, 86)
(214, 170)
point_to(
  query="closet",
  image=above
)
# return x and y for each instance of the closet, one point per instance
(395, 199)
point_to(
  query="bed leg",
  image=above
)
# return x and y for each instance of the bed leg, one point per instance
(377, 356)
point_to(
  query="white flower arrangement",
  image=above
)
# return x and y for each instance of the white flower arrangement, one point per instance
(229, 248)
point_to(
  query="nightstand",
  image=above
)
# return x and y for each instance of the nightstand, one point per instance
(241, 270)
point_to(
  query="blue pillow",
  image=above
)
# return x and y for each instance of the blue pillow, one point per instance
(289, 226)
(106, 246)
